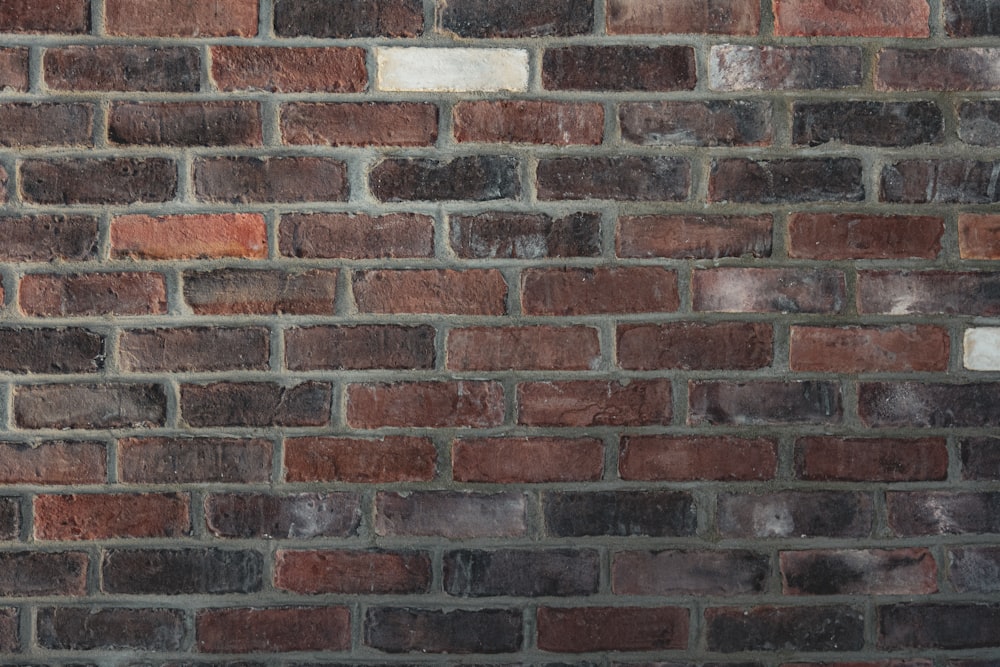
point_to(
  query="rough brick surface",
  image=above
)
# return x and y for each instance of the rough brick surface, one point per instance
(360, 124)
(124, 68)
(186, 18)
(729, 17)
(619, 68)
(46, 124)
(890, 18)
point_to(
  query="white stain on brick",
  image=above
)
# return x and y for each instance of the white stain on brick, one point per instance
(982, 349)
(451, 70)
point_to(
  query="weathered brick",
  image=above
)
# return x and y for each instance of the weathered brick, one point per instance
(352, 18)
(979, 122)
(433, 404)
(595, 403)
(970, 18)
(943, 512)
(944, 181)
(110, 628)
(619, 68)
(46, 238)
(712, 123)
(353, 572)
(207, 235)
(580, 291)
(101, 294)
(104, 181)
(171, 460)
(830, 236)
(828, 458)
(181, 18)
(764, 402)
(360, 347)
(476, 178)
(623, 178)
(484, 18)
(686, 458)
(273, 629)
(261, 291)
(356, 236)
(682, 572)
(749, 67)
(389, 459)
(286, 516)
(726, 17)
(413, 69)
(785, 181)
(28, 573)
(289, 70)
(446, 292)
(695, 345)
(972, 569)
(181, 571)
(859, 572)
(360, 124)
(51, 351)
(451, 514)
(96, 516)
(47, 124)
(980, 458)
(10, 528)
(867, 123)
(889, 18)
(693, 236)
(400, 630)
(185, 123)
(505, 235)
(912, 404)
(938, 69)
(529, 122)
(523, 348)
(67, 16)
(765, 628)
(520, 572)
(938, 626)
(52, 462)
(105, 67)
(193, 349)
(258, 404)
(527, 460)
(763, 290)
(13, 76)
(89, 406)
(586, 629)
(795, 514)
(979, 236)
(906, 292)
(272, 179)
(619, 513)
(869, 349)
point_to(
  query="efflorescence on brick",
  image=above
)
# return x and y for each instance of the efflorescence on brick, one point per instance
(562, 332)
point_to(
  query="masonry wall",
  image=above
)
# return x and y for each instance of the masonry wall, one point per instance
(577, 332)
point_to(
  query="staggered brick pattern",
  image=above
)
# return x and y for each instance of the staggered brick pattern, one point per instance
(500, 332)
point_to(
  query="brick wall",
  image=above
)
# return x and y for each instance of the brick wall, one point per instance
(576, 332)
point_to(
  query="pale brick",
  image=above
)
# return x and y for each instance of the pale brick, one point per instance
(453, 70)
(982, 349)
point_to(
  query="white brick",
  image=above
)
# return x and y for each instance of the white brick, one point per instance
(451, 70)
(982, 349)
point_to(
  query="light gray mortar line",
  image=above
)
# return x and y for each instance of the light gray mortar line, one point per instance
(954, 446)
(371, 72)
(172, 390)
(446, 125)
(185, 179)
(431, 22)
(443, 250)
(11, 283)
(607, 229)
(197, 513)
(265, 20)
(782, 120)
(535, 79)
(612, 446)
(786, 458)
(941, 557)
(781, 347)
(766, 22)
(956, 355)
(113, 456)
(611, 130)
(441, 332)
(7, 406)
(35, 73)
(937, 20)
(701, 171)
(271, 124)
(512, 276)
(606, 339)
(600, 18)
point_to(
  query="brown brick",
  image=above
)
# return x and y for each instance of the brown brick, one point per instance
(703, 573)
(360, 347)
(688, 458)
(194, 349)
(785, 181)
(289, 70)
(353, 18)
(270, 179)
(259, 404)
(435, 631)
(845, 18)
(764, 402)
(286, 516)
(46, 238)
(827, 458)
(484, 18)
(185, 123)
(980, 458)
(103, 181)
(356, 236)
(795, 514)
(946, 181)
(523, 348)
(905, 292)
(749, 67)
(360, 124)
(97, 516)
(912, 404)
(181, 571)
(34, 574)
(869, 349)
(695, 345)
(694, 236)
(768, 628)
(47, 124)
(53, 462)
(573, 291)
(472, 177)
(13, 76)
(181, 18)
(664, 17)
(445, 292)
(10, 529)
(943, 512)
(972, 569)
(90, 406)
(760, 290)
(352, 572)
(388, 459)
(101, 294)
(859, 572)
(619, 513)
(527, 460)
(160, 69)
(867, 123)
(451, 515)
(972, 68)
(622, 178)
(979, 236)
(67, 16)
(619, 68)
(929, 625)
(110, 628)
(51, 351)
(830, 236)
(521, 573)
(529, 122)
(207, 235)
(273, 629)
(586, 629)
(713, 123)
(505, 235)
(595, 403)
(176, 460)
(261, 291)
(457, 404)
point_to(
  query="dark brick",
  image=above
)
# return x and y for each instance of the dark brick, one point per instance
(111, 181)
(939, 181)
(624, 178)
(831, 236)
(255, 404)
(181, 571)
(273, 629)
(430, 404)
(90, 406)
(278, 69)
(302, 515)
(827, 458)
(270, 179)
(10, 634)
(619, 68)
(685, 458)
(971, 18)
(593, 291)
(194, 349)
(10, 526)
(389, 459)
(162, 69)
(765, 402)
(360, 124)
(731, 629)
(353, 572)
(595, 403)
(26, 124)
(51, 462)
(67, 16)
(527, 460)
(979, 122)
(938, 626)
(587, 629)
(888, 18)
(436, 631)
(110, 628)
(33, 574)
(359, 347)
(475, 178)
(694, 236)
(909, 404)
(356, 236)
(51, 351)
(619, 513)
(906, 292)
(95, 294)
(703, 573)
(791, 180)
(46, 238)
(748, 67)
(859, 572)
(484, 18)
(13, 68)
(972, 68)
(505, 235)
(199, 460)
(731, 17)
(795, 514)
(713, 123)
(261, 291)
(185, 123)
(352, 18)
(980, 458)
(867, 123)
(695, 346)
(452, 515)
(973, 569)
(943, 512)
(520, 573)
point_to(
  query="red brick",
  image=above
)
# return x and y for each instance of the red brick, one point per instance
(586, 629)
(795, 514)
(284, 516)
(181, 18)
(362, 347)
(289, 70)
(906, 292)
(785, 181)
(750, 67)
(259, 404)
(38, 574)
(714, 123)
(830, 458)
(703, 573)
(45, 238)
(389, 459)
(520, 572)
(445, 292)
(452, 515)
(850, 18)
(687, 458)
(99, 181)
(110, 628)
(523, 348)
(694, 236)
(105, 67)
(205, 235)
(979, 236)
(527, 460)
(101, 516)
(505, 235)
(764, 402)
(859, 572)
(456, 404)
(619, 68)
(90, 406)
(435, 631)
(484, 18)
(13, 68)
(753, 290)
(360, 124)
(175, 460)
(271, 179)
(573, 291)
(185, 123)
(972, 68)
(529, 122)
(54, 124)
(664, 17)
(51, 351)
(53, 462)
(273, 629)
(695, 345)
(67, 16)
(595, 403)
(352, 572)
(353, 18)
(99, 294)
(356, 235)
(261, 291)
(796, 629)
(868, 349)
(194, 349)
(830, 236)
(470, 177)
(622, 178)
